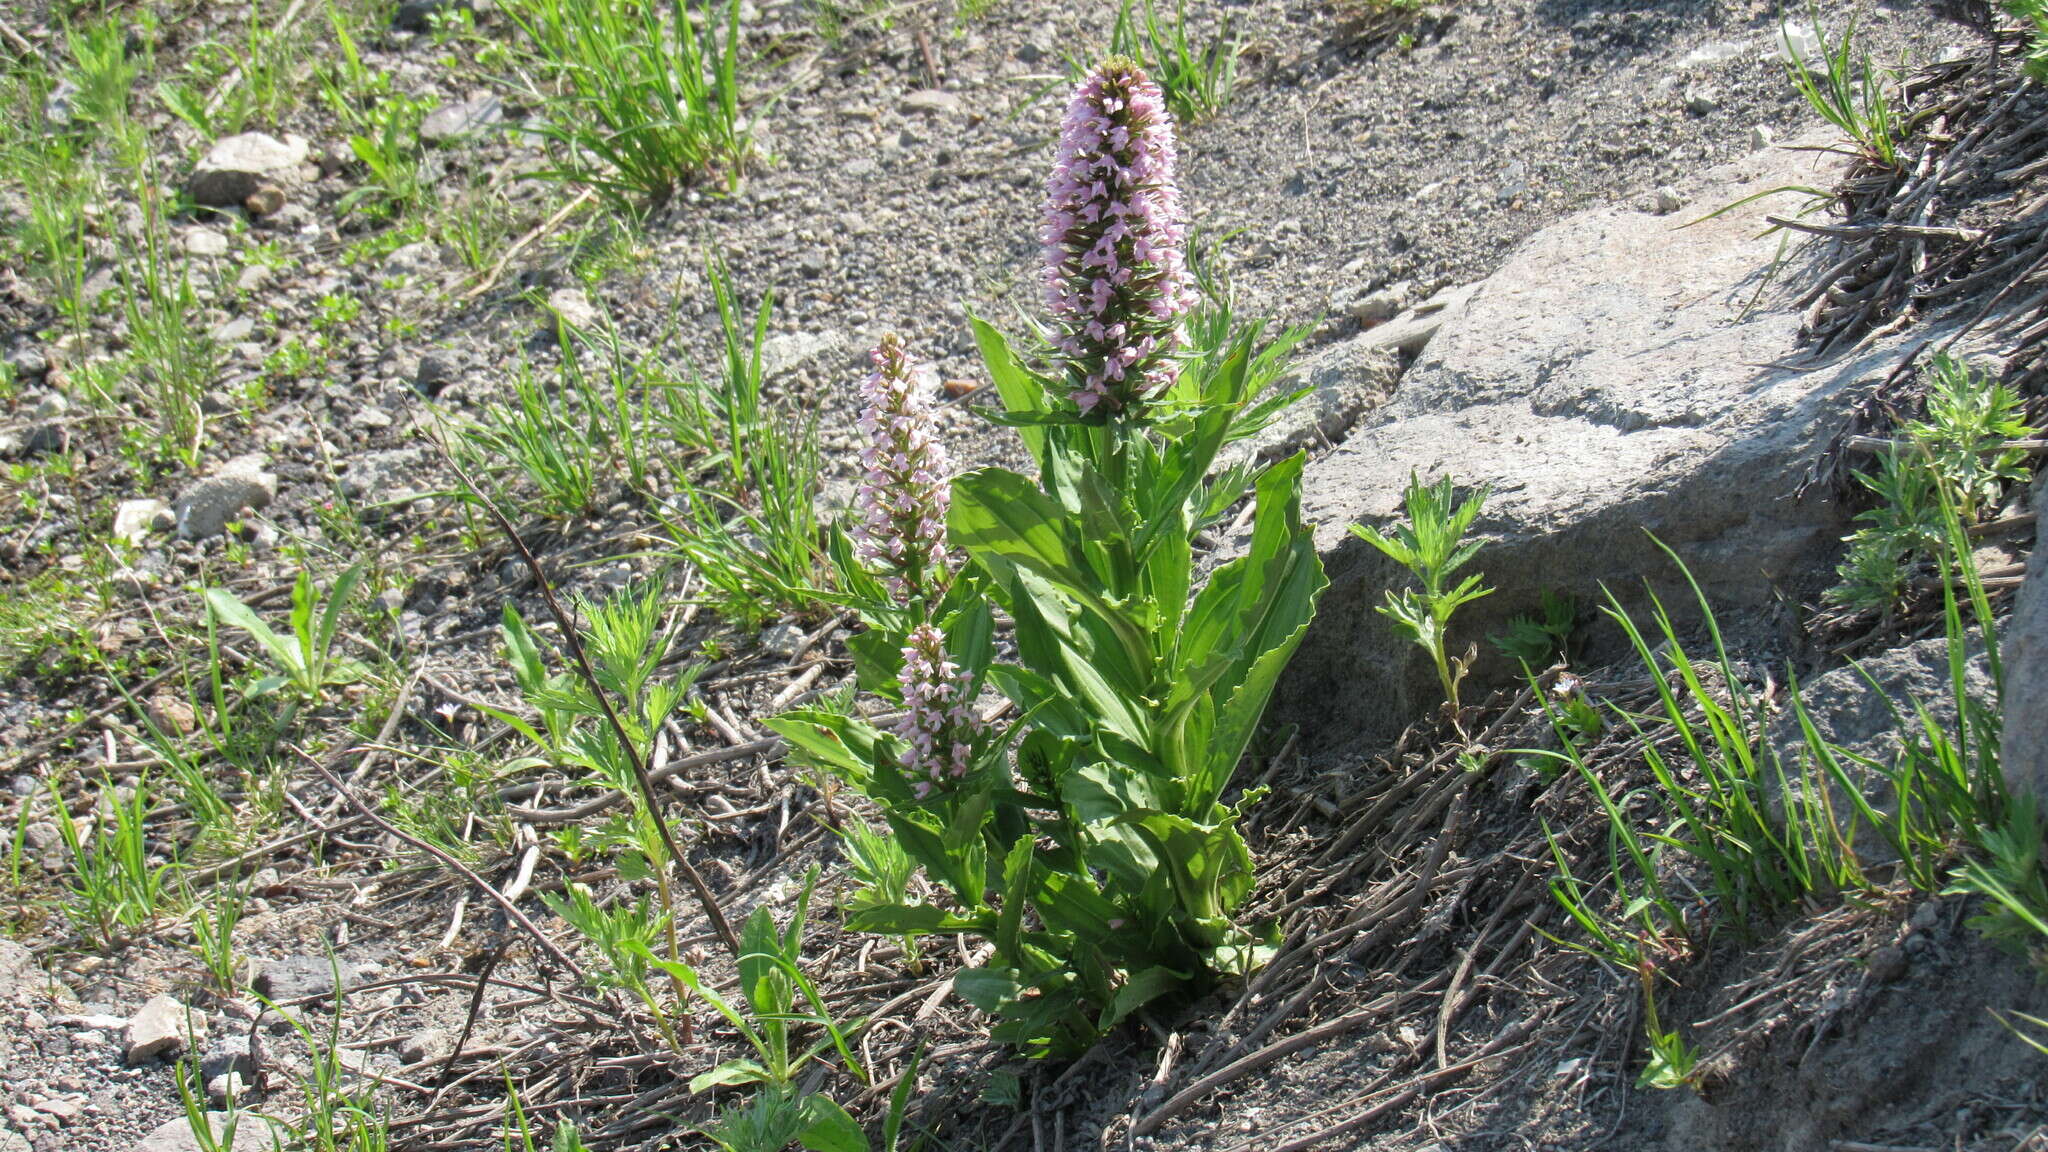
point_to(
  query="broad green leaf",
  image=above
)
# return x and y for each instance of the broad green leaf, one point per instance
(828, 1128)
(987, 988)
(730, 1073)
(913, 920)
(232, 611)
(1023, 394)
(1140, 989)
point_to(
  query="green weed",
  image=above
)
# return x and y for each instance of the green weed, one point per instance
(1846, 91)
(1957, 454)
(1197, 78)
(306, 661)
(1432, 547)
(648, 101)
(113, 883)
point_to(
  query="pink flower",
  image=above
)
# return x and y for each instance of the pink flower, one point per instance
(904, 488)
(1114, 236)
(939, 721)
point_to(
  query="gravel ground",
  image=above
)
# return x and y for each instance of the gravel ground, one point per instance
(896, 199)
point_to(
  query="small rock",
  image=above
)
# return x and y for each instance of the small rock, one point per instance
(161, 1026)
(235, 331)
(47, 438)
(1384, 304)
(302, 977)
(452, 122)
(1797, 42)
(426, 1045)
(1887, 964)
(1761, 137)
(573, 308)
(172, 714)
(28, 363)
(1714, 52)
(229, 1054)
(177, 1136)
(265, 200)
(205, 242)
(417, 15)
(237, 166)
(63, 1108)
(372, 417)
(1702, 100)
(51, 406)
(781, 639)
(416, 259)
(225, 1088)
(434, 374)
(792, 351)
(931, 102)
(204, 509)
(1666, 201)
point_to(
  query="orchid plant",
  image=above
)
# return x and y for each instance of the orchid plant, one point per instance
(1085, 837)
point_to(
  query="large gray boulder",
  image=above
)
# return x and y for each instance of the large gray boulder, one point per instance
(1610, 382)
(2024, 647)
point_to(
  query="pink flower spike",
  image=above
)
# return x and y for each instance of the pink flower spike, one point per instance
(906, 485)
(1114, 235)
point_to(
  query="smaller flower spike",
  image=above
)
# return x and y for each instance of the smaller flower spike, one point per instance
(905, 472)
(939, 719)
(1116, 276)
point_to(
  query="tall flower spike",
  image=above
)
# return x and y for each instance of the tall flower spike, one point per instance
(939, 719)
(1116, 276)
(904, 477)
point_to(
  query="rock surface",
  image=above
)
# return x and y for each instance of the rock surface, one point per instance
(1343, 381)
(2024, 647)
(301, 977)
(1873, 722)
(1606, 385)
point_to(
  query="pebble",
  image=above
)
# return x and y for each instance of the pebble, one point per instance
(1666, 201)
(1887, 964)
(931, 102)
(300, 977)
(162, 1026)
(205, 507)
(205, 242)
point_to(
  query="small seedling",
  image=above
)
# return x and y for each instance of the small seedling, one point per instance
(1535, 640)
(1432, 547)
(306, 660)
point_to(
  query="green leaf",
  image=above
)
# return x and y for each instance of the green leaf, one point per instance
(999, 514)
(1142, 988)
(846, 746)
(1023, 393)
(827, 1127)
(913, 920)
(987, 988)
(728, 1074)
(229, 610)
